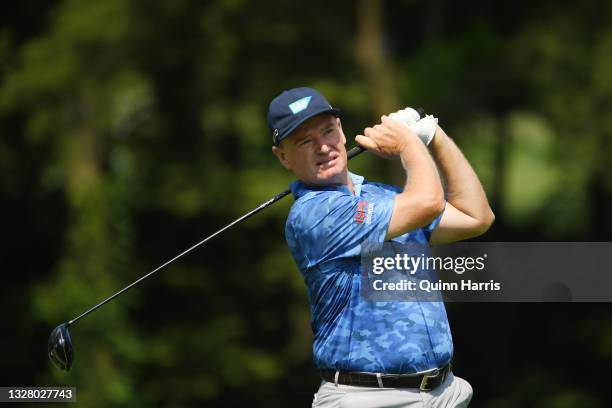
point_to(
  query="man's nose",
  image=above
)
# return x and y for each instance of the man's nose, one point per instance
(324, 147)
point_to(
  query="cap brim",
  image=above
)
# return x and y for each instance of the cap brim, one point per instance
(336, 112)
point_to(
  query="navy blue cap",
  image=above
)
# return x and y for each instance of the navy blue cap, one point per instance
(292, 108)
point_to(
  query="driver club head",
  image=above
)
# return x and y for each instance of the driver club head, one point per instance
(60, 347)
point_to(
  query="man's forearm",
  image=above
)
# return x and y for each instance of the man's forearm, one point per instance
(463, 188)
(423, 197)
(422, 176)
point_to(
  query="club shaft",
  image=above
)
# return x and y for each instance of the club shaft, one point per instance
(185, 252)
(355, 151)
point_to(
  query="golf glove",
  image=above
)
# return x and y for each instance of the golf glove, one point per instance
(424, 128)
(407, 116)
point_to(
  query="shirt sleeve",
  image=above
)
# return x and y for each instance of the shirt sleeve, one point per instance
(420, 233)
(428, 229)
(334, 225)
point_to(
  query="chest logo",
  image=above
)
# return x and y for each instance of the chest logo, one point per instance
(364, 212)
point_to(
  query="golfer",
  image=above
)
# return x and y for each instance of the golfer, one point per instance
(373, 354)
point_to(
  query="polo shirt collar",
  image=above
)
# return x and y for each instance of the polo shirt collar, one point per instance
(298, 188)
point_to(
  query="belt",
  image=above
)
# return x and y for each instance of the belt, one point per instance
(427, 381)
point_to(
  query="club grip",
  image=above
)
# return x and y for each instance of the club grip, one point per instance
(357, 150)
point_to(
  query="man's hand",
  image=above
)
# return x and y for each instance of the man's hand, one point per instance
(425, 128)
(387, 139)
(407, 116)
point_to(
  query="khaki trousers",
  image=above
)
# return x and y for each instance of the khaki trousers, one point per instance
(454, 392)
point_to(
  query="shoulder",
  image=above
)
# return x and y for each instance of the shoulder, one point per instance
(317, 204)
(382, 188)
(317, 212)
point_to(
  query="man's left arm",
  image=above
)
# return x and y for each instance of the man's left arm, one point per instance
(467, 213)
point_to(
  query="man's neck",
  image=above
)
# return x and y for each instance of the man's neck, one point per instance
(345, 181)
(348, 182)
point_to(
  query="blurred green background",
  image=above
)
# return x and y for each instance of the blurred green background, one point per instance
(130, 129)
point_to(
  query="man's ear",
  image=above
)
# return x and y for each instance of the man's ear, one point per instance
(282, 156)
(339, 123)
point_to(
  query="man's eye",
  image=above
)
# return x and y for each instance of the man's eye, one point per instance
(305, 141)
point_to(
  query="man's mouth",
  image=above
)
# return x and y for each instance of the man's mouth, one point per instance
(327, 161)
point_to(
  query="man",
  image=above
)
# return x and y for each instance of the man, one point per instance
(373, 354)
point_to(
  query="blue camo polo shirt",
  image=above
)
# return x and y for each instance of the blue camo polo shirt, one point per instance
(325, 230)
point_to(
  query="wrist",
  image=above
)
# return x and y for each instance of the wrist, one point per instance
(425, 128)
(407, 143)
(439, 140)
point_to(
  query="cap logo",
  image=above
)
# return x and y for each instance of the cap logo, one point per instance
(299, 105)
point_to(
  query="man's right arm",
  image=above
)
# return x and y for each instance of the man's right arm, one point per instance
(422, 199)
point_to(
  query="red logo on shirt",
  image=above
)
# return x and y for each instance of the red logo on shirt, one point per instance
(360, 215)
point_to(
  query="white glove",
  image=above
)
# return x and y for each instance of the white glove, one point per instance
(407, 116)
(424, 128)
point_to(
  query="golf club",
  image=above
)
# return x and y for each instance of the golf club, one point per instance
(59, 346)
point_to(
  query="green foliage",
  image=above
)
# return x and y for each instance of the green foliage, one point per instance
(130, 130)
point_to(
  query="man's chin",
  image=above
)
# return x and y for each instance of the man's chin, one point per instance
(331, 177)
